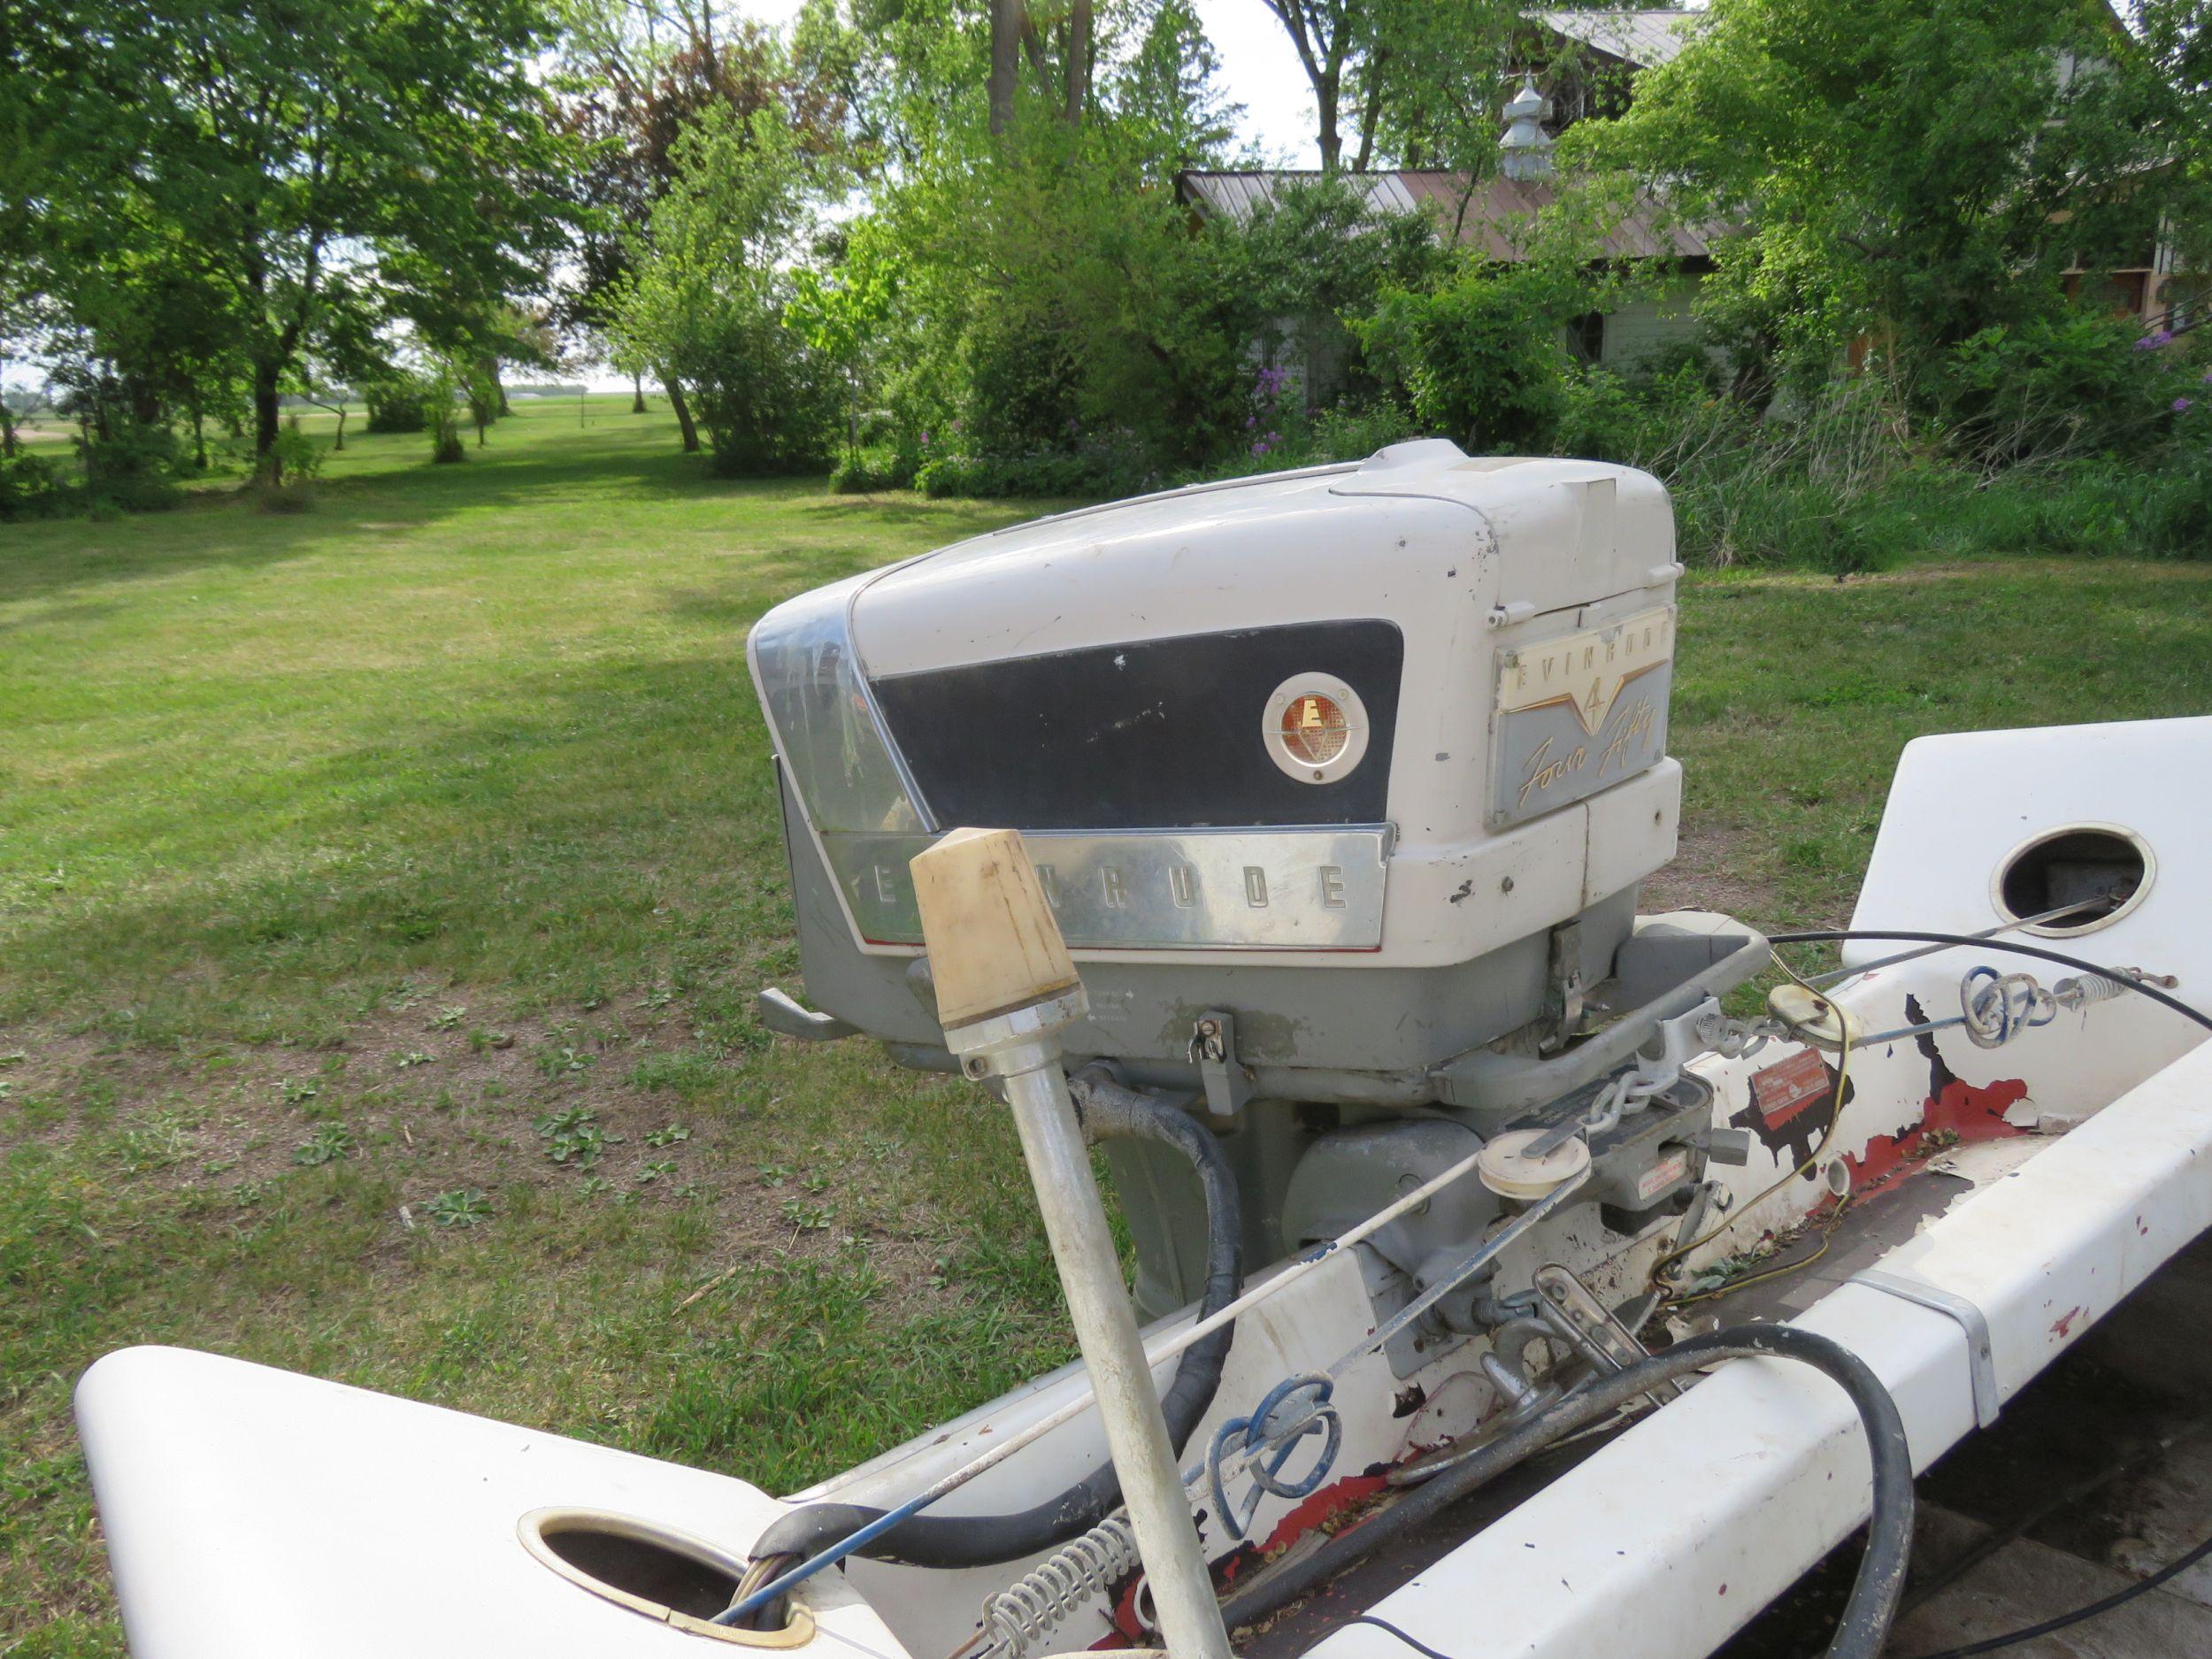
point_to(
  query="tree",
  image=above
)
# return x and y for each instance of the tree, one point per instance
(843, 314)
(636, 74)
(309, 165)
(712, 282)
(1331, 36)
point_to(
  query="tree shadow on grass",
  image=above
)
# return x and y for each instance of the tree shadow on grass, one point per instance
(587, 827)
(545, 475)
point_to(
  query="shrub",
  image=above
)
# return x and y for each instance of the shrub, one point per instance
(32, 486)
(285, 481)
(394, 401)
(1350, 432)
(440, 417)
(134, 468)
(1096, 469)
(1482, 359)
(872, 467)
(2080, 383)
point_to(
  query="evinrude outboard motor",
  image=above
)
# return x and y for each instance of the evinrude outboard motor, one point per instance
(1340, 783)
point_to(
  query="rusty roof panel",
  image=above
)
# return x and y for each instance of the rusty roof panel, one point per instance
(1492, 216)
(1642, 38)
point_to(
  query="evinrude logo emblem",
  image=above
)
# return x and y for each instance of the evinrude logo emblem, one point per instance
(1314, 727)
(1587, 672)
(1577, 714)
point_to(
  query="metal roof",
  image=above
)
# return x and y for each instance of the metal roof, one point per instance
(1642, 38)
(1492, 217)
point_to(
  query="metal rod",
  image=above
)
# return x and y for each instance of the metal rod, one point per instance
(1068, 1410)
(1836, 975)
(1114, 1356)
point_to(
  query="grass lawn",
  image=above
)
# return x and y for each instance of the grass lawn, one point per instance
(383, 891)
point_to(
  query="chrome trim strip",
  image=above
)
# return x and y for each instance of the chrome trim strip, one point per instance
(1217, 889)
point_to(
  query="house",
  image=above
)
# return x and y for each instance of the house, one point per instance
(1588, 59)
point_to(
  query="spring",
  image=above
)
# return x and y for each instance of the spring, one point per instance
(2089, 988)
(1022, 1615)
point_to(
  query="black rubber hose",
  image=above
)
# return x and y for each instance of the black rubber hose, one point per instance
(1875, 1591)
(1107, 1112)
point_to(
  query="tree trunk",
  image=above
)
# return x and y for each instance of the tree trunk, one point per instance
(1079, 59)
(683, 413)
(7, 430)
(266, 408)
(637, 394)
(199, 436)
(1332, 145)
(1007, 18)
(341, 430)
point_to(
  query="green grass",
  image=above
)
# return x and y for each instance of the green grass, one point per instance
(353, 864)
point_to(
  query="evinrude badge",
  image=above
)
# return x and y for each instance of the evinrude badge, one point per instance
(1575, 715)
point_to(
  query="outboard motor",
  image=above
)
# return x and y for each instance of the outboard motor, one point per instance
(1340, 783)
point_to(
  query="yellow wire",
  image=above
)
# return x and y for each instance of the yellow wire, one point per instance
(1835, 1119)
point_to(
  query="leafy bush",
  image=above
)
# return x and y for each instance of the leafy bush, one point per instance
(1098, 469)
(1481, 359)
(2079, 383)
(769, 403)
(32, 486)
(1350, 432)
(394, 401)
(440, 417)
(872, 467)
(134, 468)
(285, 481)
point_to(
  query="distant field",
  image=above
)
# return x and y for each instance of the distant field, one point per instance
(353, 864)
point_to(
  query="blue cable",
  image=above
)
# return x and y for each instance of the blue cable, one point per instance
(830, 1557)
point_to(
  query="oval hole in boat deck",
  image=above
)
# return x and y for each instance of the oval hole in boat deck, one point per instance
(653, 1569)
(2104, 863)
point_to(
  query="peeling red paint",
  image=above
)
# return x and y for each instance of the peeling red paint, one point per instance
(2062, 1326)
(1331, 1501)
(1969, 1113)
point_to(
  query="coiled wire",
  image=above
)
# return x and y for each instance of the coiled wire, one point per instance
(1022, 1615)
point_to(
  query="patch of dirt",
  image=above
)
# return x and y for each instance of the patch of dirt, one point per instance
(1709, 872)
(438, 1098)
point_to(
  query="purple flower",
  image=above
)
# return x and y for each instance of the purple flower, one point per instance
(1260, 448)
(1251, 422)
(925, 441)
(1274, 437)
(2208, 377)
(2151, 341)
(2182, 405)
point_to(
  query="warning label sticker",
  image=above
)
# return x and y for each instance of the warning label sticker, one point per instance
(1663, 1174)
(1785, 1088)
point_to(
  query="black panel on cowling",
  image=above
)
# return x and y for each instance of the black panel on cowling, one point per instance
(1158, 734)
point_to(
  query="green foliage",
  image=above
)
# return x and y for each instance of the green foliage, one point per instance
(2076, 383)
(242, 184)
(1091, 471)
(285, 481)
(32, 486)
(394, 401)
(873, 467)
(713, 285)
(132, 466)
(1483, 358)
(1289, 437)
(1914, 171)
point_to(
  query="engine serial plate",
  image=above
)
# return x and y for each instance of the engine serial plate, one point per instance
(1575, 715)
(1246, 889)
